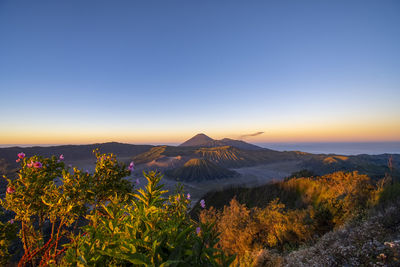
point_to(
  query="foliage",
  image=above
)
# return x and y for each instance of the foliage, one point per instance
(71, 217)
(371, 242)
(317, 205)
(149, 230)
(8, 231)
(48, 195)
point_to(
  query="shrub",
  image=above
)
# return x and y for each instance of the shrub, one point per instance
(51, 202)
(149, 230)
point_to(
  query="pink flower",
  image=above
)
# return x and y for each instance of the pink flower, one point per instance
(11, 221)
(37, 165)
(10, 190)
(21, 155)
(188, 196)
(198, 230)
(18, 160)
(131, 166)
(61, 157)
(29, 164)
(203, 203)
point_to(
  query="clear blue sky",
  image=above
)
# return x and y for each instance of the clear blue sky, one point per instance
(146, 71)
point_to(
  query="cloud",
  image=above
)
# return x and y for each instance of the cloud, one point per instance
(249, 135)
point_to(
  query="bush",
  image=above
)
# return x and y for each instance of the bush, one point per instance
(149, 230)
(71, 217)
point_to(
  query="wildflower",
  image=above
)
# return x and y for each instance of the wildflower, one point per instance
(18, 160)
(137, 181)
(21, 155)
(29, 164)
(188, 196)
(61, 158)
(131, 166)
(10, 190)
(198, 230)
(37, 165)
(11, 221)
(203, 203)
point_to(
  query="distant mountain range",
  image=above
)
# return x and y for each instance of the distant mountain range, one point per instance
(202, 158)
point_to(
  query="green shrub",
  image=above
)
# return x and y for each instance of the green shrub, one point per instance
(50, 201)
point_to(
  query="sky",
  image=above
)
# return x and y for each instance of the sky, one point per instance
(74, 72)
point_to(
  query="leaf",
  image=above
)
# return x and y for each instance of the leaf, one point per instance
(170, 262)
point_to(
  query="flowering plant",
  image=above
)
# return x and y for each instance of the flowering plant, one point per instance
(74, 217)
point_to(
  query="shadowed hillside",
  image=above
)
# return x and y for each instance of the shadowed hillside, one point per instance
(197, 170)
(374, 165)
(75, 152)
(197, 140)
(202, 140)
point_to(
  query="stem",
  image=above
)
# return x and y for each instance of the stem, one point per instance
(58, 234)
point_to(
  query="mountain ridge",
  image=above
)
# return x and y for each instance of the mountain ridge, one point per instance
(202, 140)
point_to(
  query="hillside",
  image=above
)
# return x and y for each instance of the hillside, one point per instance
(202, 140)
(373, 165)
(339, 219)
(197, 170)
(75, 152)
(197, 140)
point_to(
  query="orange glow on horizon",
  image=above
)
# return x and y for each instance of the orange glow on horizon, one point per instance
(344, 132)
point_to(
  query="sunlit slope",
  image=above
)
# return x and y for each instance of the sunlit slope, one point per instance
(197, 170)
(225, 156)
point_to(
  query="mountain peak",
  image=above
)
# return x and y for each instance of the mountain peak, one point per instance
(197, 140)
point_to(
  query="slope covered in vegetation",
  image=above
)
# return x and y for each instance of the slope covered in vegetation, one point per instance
(266, 225)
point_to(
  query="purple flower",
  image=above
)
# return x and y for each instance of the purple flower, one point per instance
(21, 155)
(203, 203)
(61, 157)
(137, 181)
(10, 190)
(11, 221)
(37, 165)
(188, 196)
(198, 230)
